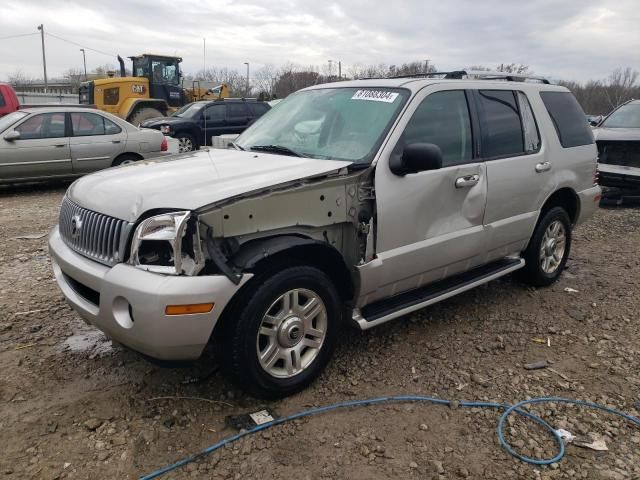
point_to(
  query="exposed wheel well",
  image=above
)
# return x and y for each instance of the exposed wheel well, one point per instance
(565, 198)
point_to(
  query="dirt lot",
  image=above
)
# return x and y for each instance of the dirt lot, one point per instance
(74, 406)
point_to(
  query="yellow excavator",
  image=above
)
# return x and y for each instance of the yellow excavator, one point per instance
(154, 90)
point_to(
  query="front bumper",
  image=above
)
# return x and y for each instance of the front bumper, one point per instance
(128, 304)
(619, 181)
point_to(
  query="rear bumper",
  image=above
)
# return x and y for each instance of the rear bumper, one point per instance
(589, 200)
(128, 304)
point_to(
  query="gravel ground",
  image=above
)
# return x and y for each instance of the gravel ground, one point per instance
(72, 405)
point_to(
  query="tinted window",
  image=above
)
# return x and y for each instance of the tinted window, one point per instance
(86, 124)
(568, 118)
(257, 109)
(2, 102)
(443, 119)
(45, 125)
(237, 110)
(215, 112)
(112, 96)
(531, 134)
(501, 127)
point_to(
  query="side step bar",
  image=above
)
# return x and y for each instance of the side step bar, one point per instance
(384, 310)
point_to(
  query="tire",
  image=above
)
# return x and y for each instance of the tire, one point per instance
(544, 267)
(144, 113)
(125, 159)
(186, 142)
(261, 309)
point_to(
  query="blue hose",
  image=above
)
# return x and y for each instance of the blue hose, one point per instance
(508, 410)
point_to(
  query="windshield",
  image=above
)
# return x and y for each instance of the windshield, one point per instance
(10, 119)
(330, 123)
(627, 116)
(190, 110)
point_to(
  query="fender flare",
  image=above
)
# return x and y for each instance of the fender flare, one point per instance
(256, 250)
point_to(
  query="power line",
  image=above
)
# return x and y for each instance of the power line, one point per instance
(80, 45)
(17, 36)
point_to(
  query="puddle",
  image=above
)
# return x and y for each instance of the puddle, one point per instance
(89, 341)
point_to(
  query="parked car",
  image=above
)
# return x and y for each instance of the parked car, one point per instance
(58, 142)
(349, 203)
(618, 139)
(194, 124)
(8, 99)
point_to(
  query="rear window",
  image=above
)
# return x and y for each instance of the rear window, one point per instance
(501, 127)
(2, 102)
(568, 118)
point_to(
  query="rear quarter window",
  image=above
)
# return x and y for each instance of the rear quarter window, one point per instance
(257, 109)
(568, 119)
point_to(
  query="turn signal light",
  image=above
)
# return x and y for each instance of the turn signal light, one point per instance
(188, 309)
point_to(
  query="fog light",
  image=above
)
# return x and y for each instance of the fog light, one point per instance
(188, 309)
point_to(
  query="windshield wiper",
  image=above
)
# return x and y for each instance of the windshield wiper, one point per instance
(277, 149)
(236, 146)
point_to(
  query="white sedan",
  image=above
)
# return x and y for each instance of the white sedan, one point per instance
(58, 142)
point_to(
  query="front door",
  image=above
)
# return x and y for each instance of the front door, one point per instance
(96, 141)
(429, 224)
(41, 151)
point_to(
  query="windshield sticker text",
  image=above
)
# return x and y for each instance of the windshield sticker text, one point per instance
(375, 95)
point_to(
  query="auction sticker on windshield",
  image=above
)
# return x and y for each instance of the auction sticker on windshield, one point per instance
(375, 95)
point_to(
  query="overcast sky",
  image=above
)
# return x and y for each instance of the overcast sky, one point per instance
(567, 39)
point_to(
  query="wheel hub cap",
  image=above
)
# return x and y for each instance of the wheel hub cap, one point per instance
(291, 333)
(552, 247)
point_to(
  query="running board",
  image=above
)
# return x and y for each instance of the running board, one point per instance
(384, 310)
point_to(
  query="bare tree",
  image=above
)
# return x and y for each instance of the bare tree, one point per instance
(515, 68)
(621, 83)
(74, 76)
(265, 79)
(18, 78)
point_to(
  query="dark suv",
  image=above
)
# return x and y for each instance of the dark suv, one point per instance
(194, 124)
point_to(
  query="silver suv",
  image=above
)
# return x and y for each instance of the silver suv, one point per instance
(354, 202)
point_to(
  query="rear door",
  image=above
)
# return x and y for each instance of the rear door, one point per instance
(213, 121)
(257, 109)
(429, 223)
(237, 117)
(95, 141)
(519, 169)
(41, 151)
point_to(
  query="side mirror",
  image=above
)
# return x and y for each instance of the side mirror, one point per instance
(594, 123)
(12, 135)
(417, 157)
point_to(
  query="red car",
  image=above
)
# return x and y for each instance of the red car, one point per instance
(8, 99)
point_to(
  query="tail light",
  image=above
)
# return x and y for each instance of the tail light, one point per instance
(164, 146)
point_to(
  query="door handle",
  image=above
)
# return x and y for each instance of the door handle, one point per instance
(116, 141)
(543, 167)
(467, 181)
(60, 145)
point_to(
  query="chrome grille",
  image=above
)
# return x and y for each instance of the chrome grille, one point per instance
(94, 235)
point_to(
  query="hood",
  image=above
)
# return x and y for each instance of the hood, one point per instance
(190, 181)
(617, 134)
(156, 122)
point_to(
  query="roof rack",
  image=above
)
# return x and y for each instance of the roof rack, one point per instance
(482, 75)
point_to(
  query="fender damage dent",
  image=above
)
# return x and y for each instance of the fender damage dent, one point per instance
(318, 212)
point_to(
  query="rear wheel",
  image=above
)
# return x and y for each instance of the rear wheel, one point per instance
(548, 249)
(125, 159)
(144, 113)
(282, 333)
(186, 142)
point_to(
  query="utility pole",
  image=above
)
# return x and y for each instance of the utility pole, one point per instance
(44, 58)
(84, 60)
(204, 56)
(339, 69)
(330, 69)
(426, 66)
(247, 64)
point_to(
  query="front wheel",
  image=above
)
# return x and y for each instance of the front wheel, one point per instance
(548, 249)
(186, 143)
(282, 333)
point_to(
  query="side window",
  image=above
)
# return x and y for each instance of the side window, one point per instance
(86, 124)
(112, 96)
(2, 101)
(443, 119)
(45, 125)
(215, 113)
(501, 127)
(110, 128)
(237, 110)
(568, 118)
(257, 109)
(531, 134)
